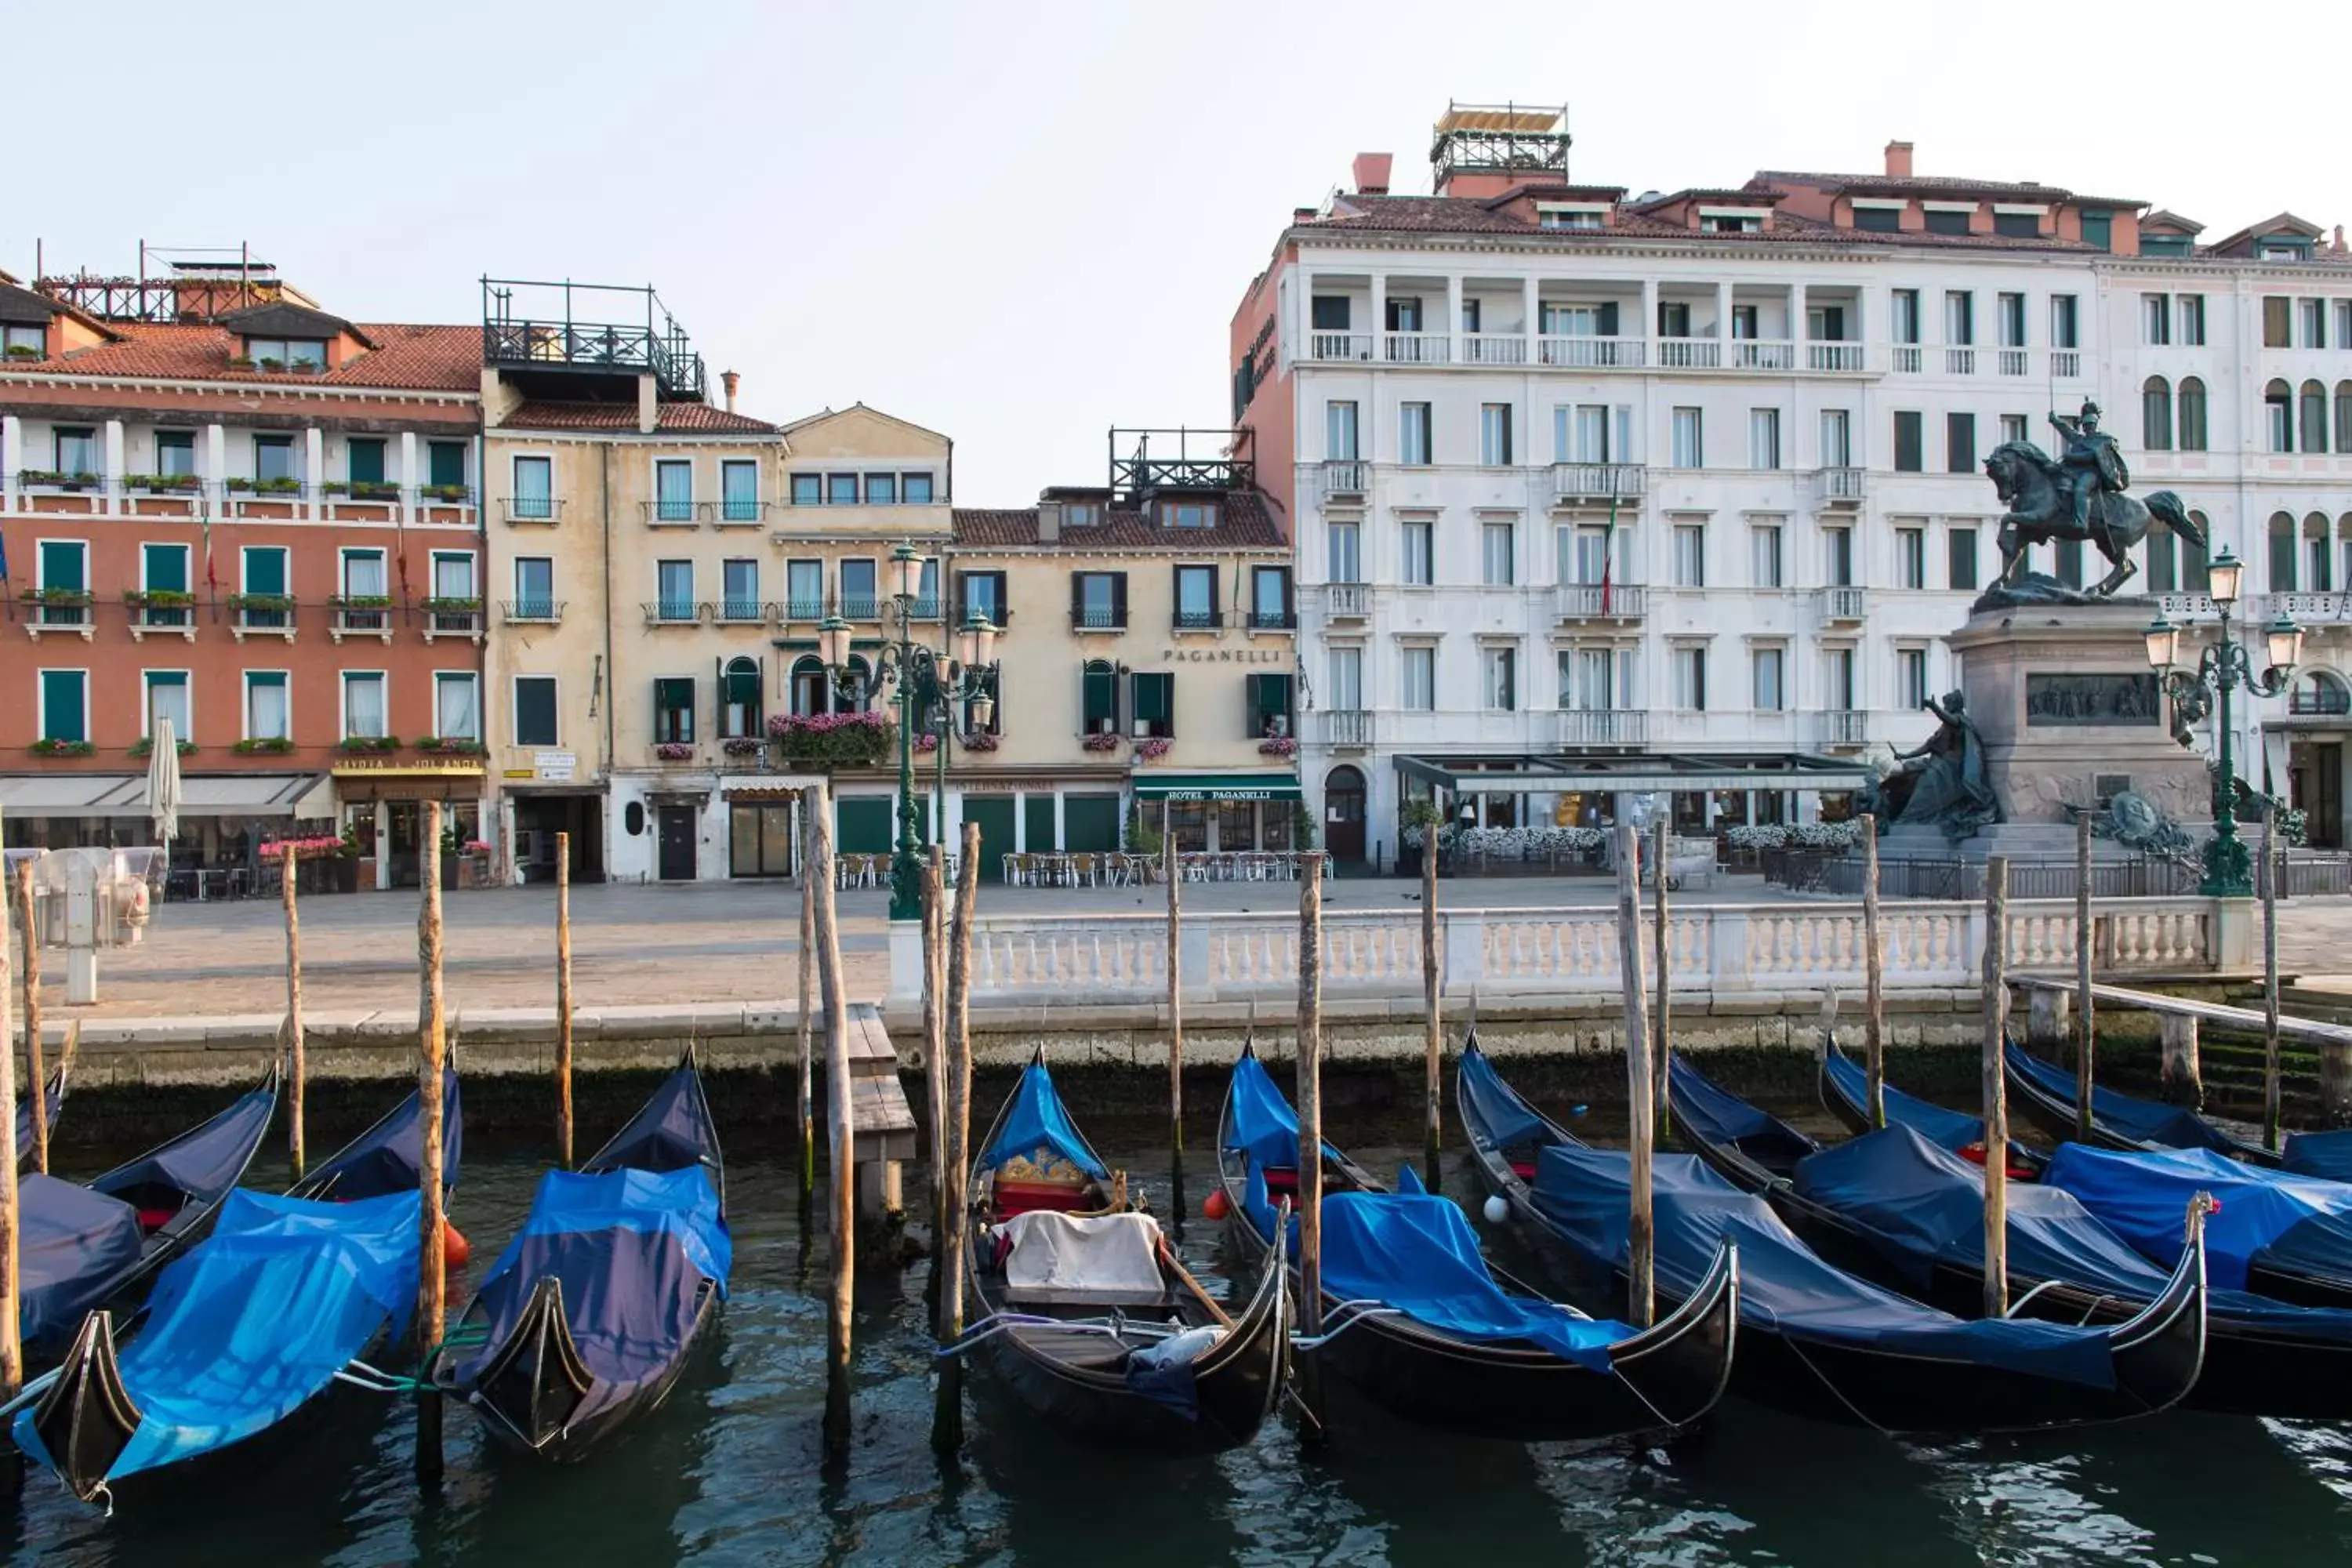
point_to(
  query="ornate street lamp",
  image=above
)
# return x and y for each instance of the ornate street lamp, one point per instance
(2221, 668)
(926, 684)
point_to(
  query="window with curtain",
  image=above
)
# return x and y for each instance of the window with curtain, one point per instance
(2188, 317)
(1690, 444)
(1196, 597)
(1767, 666)
(1417, 678)
(2062, 322)
(534, 488)
(1413, 433)
(812, 687)
(2315, 417)
(841, 489)
(1959, 317)
(738, 490)
(2156, 411)
(673, 711)
(457, 706)
(674, 490)
(860, 599)
(2191, 411)
(1690, 679)
(1764, 555)
(266, 709)
(1347, 678)
(1339, 433)
(673, 590)
(1763, 437)
(78, 449)
(1495, 435)
(2278, 410)
(167, 697)
(1343, 551)
(2013, 320)
(1837, 556)
(1911, 678)
(1497, 549)
(740, 707)
(738, 587)
(453, 575)
(273, 457)
(2156, 318)
(535, 586)
(363, 705)
(445, 464)
(1501, 666)
(1417, 540)
(808, 489)
(881, 490)
(915, 490)
(1690, 555)
(1269, 597)
(176, 453)
(1837, 438)
(1911, 558)
(853, 692)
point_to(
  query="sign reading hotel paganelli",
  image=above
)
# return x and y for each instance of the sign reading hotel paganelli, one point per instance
(1225, 655)
(2092, 699)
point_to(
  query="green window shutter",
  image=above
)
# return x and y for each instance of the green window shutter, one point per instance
(1039, 810)
(62, 705)
(448, 462)
(265, 569)
(166, 566)
(743, 686)
(64, 564)
(366, 461)
(1155, 703)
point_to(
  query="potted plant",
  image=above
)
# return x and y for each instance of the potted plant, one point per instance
(1142, 837)
(928, 742)
(361, 601)
(1101, 741)
(39, 477)
(162, 484)
(158, 598)
(1278, 747)
(145, 745)
(263, 745)
(673, 751)
(49, 747)
(743, 745)
(373, 489)
(24, 352)
(450, 606)
(284, 485)
(335, 486)
(369, 744)
(261, 603)
(832, 740)
(240, 361)
(237, 482)
(978, 740)
(1153, 748)
(64, 596)
(446, 745)
(445, 492)
(271, 365)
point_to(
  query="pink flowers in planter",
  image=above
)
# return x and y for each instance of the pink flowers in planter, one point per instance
(1102, 741)
(675, 751)
(1278, 747)
(1152, 750)
(978, 740)
(927, 742)
(743, 745)
(857, 738)
(304, 849)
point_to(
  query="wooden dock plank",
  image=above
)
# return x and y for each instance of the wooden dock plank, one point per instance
(2189, 1007)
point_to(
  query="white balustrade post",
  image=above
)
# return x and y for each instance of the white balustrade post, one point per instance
(1726, 949)
(1192, 945)
(1463, 935)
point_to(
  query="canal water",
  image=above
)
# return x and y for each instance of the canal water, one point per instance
(730, 1470)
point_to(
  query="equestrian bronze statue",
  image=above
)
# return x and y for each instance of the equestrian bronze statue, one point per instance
(2080, 495)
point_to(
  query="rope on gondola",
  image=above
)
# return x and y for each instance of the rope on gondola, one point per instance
(375, 1379)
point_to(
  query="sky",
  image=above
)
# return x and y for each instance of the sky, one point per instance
(1021, 224)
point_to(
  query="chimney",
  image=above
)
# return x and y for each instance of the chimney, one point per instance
(1371, 172)
(1303, 214)
(1898, 160)
(730, 380)
(1049, 522)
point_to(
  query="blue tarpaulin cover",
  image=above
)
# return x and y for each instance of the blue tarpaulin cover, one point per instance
(1036, 1120)
(1715, 1116)
(257, 1319)
(384, 1159)
(1259, 1121)
(2325, 1154)
(2143, 1121)
(1417, 1254)
(75, 1243)
(1954, 1130)
(208, 1160)
(2302, 1223)
(671, 1132)
(1784, 1286)
(1495, 1107)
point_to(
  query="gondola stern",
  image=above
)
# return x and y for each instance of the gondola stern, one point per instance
(535, 1382)
(87, 1419)
(2160, 1353)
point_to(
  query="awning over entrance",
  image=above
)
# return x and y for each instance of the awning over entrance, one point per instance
(1637, 775)
(1217, 786)
(202, 794)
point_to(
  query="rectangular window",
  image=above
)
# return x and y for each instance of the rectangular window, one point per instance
(1960, 442)
(808, 489)
(915, 490)
(457, 705)
(534, 488)
(176, 453)
(841, 489)
(984, 595)
(1764, 551)
(1196, 597)
(1767, 667)
(1936, 221)
(273, 457)
(1343, 551)
(1959, 317)
(1690, 555)
(2155, 318)
(445, 464)
(1961, 566)
(804, 590)
(1339, 434)
(262, 573)
(1673, 318)
(673, 590)
(1270, 607)
(1413, 435)
(1347, 688)
(2313, 314)
(2017, 225)
(2317, 567)
(1579, 434)
(1498, 552)
(674, 711)
(1690, 679)
(1911, 678)
(881, 490)
(167, 697)
(64, 697)
(452, 576)
(1188, 514)
(1690, 446)
(534, 710)
(363, 460)
(1501, 668)
(1581, 553)
(2188, 317)
(2063, 322)
(77, 450)
(739, 490)
(1763, 437)
(673, 490)
(364, 577)
(1910, 442)
(1417, 541)
(1153, 694)
(534, 587)
(1879, 220)
(738, 589)
(1404, 313)
(2278, 322)
(1906, 315)
(267, 712)
(858, 601)
(1099, 600)
(1837, 556)
(1495, 435)
(65, 563)
(1910, 557)
(1098, 698)
(1418, 670)
(2014, 427)
(2099, 230)
(1837, 438)
(364, 704)
(1841, 691)
(2013, 320)
(1329, 312)
(163, 570)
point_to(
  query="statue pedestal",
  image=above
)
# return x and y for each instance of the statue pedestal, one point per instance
(2071, 714)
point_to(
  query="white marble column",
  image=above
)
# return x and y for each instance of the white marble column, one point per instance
(12, 458)
(1456, 349)
(1380, 315)
(382, 849)
(1531, 309)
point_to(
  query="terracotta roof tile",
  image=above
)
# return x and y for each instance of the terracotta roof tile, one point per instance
(688, 417)
(1456, 215)
(408, 357)
(1243, 523)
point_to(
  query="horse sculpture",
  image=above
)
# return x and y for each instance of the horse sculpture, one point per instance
(2033, 488)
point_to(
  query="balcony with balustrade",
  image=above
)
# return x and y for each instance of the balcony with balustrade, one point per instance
(1344, 729)
(1602, 729)
(1841, 729)
(1842, 606)
(1838, 488)
(1347, 601)
(1572, 351)
(676, 612)
(533, 612)
(1625, 602)
(360, 615)
(1597, 482)
(1346, 480)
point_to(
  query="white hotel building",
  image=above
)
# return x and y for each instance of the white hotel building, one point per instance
(1684, 493)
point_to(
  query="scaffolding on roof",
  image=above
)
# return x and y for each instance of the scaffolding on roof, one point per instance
(1500, 137)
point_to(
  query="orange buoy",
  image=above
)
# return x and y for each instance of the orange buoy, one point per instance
(456, 1250)
(1214, 1206)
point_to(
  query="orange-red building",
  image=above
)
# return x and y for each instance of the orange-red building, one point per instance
(221, 502)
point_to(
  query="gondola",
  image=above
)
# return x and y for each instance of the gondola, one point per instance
(255, 1326)
(1845, 1094)
(1898, 1207)
(83, 1246)
(55, 1097)
(1083, 1311)
(1415, 1318)
(587, 1318)
(2045, 1092)
(1815, 1338)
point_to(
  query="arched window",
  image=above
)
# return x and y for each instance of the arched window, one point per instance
(2278, 415)
(2155, 414)
(2344, 549)
(2193, 415)
(739, 708)
(2314, 417)
(2195, 578)
(2283, 553)
(851, 694)
(812, 687)
(2163, 558)
(2344, 414)
(2318, 574)
(1098, 698)
(2321, 692)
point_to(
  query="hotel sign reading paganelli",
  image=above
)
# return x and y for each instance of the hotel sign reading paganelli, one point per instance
(1225, 655)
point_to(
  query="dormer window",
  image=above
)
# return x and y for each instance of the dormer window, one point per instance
(286, 354)
(1731, 222)
(2280, 249)
(1553, 216)
(23, 342)
(1188, 514)
(1080, 514)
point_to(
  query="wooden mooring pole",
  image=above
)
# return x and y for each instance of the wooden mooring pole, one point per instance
(12, 1350)
(2274, 867)
(431, 1287)
(1873, 978)
(841, 1209)
(1661, 1104)
(935, 1055)
(947, 1413)
(1310, 1136)
(564, 1000)
(1640, 1128)
(2085, 1009)
(1433, 992)
(36, 1079)
(1996, 1096)
(813, 807)
(297, 1068)
(1175, 1004)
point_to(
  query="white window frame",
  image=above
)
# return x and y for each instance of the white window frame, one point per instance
(1778, 654)
(343, 679)
(1487, 527)
(187, 557)
(1910, 551)
(41, 699)
(284, 683)
(1406, 563)
(1698, 425)
(655, 463)
(1406, 654)
(446, 677)
(187, 684)
(1689, 572)
(1494, 436)
(346, 554)
(473, 573)
(41, 564)
(1763, 427)
(1494, 658)
(514, 489)
(1767, 553)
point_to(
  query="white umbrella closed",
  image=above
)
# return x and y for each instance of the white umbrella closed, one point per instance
(163, 784)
